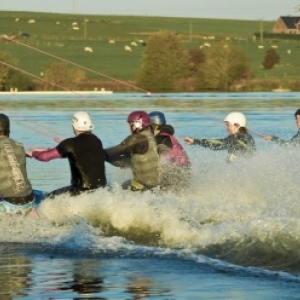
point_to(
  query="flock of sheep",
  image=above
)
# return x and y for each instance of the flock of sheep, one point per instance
(90, 49)
(129, 48)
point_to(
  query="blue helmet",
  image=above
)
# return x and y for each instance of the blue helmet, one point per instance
(157, 118)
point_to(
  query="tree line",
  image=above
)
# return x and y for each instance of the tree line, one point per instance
(166, 67)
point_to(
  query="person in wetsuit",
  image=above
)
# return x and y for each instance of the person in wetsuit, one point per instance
(176, 165)
(238, 143)
(294, 141)
(16, 194)
(85, 154)
(138, 152)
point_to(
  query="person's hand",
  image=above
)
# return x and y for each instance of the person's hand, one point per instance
(40, 149)
(29, 153)
(268, 137)
(189, 141)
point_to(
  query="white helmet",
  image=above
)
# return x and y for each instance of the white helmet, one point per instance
(82, 121)
(236, 118)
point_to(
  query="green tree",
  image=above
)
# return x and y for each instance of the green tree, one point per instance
(16, 80)
(59, 74)
(223, 66)
(6, 58)
(164, 61)
(271, 59)
(196, 59)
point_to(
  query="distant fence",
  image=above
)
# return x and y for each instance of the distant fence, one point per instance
(278, 36)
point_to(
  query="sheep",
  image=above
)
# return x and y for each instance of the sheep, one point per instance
(133, 44)
(75, 28)
(74, 24)
(111, 42)
(17, 19)
(260, 46)
(31, 21)
(274, 46)
(207, 45)
(88, 49)
(288, 51)
(127, 48)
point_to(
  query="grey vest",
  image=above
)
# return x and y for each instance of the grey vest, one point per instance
(146, 167)
(13, 175)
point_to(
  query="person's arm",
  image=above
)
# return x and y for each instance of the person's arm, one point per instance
(134, 144)
(44, 155)
(114, 153)
(120, 155)
(164, 144)
(213, 144)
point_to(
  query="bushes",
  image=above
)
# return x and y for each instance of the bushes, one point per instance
(256, 85)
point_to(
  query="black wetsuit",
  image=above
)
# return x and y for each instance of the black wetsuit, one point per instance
(86, 158)
(294, 141)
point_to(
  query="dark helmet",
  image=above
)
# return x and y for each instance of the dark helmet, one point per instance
(4, 124)
(140, 119)
(157, 118)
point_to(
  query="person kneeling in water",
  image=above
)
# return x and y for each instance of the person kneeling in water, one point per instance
(85, 154)
(238, 143)
(138, 152)
(16, 194)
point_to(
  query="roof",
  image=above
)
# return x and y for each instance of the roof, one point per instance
(290, 21)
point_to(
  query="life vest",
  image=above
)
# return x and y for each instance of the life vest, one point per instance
(146, 167)
(13, 179)
(176, 155)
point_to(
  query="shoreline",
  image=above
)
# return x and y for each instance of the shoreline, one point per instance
(101, 92)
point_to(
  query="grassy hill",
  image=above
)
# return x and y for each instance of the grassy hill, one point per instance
(54, 33)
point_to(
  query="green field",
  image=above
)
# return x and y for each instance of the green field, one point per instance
(54, 33)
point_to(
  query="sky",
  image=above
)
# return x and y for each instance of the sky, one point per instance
(216, 9)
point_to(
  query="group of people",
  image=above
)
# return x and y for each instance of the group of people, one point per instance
(155, 156)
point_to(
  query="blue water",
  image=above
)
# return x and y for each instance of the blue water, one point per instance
(178, 96)
(233, 234)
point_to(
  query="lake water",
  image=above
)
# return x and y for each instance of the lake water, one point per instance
(233, 234)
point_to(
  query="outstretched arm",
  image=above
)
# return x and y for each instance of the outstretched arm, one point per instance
(213, 144)
(295, 141)
(44, 154)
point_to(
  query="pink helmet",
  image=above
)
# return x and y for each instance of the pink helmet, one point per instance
(140, 118)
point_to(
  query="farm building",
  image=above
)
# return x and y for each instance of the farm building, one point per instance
(288, 25)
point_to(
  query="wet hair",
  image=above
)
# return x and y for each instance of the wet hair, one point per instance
(243, 130)
(297, 113)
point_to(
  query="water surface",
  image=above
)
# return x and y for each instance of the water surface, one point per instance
(232, 234)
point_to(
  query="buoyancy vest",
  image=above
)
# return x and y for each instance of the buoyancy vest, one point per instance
(176, 155)
(146, 167)
(13, 175)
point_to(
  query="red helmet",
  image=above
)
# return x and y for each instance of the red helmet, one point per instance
(140, 119)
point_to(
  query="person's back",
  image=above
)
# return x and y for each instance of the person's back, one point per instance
(13, 176)
(85, 154)
(16, 193)
(86, 158)
(138, 152)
